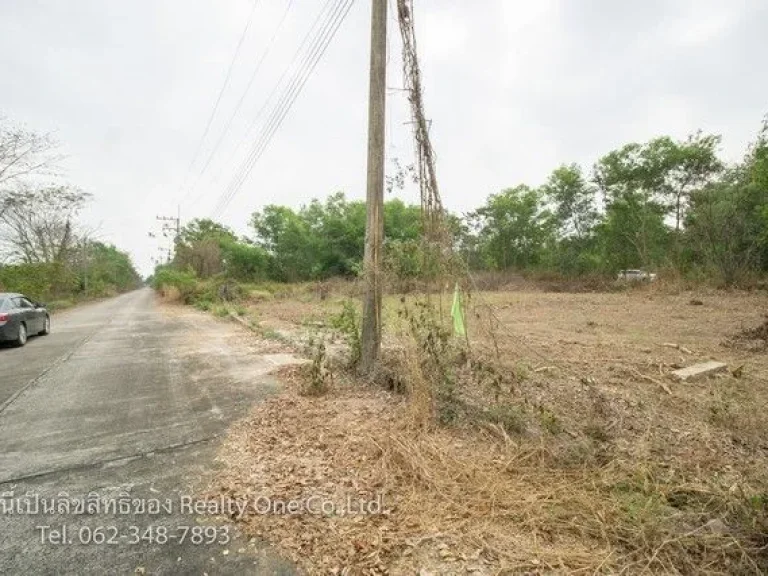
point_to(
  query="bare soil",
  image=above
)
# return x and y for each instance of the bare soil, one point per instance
(595, 460)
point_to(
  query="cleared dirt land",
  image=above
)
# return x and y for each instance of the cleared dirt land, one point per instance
(569, 448)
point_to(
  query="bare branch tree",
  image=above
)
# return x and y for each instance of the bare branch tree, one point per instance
(24, 153)
(37, 224)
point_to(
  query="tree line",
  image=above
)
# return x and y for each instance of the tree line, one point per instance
(666, 205)
(45, 252)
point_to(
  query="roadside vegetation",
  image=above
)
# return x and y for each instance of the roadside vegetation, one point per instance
(669, 206)
(552, 436)
(45, 252)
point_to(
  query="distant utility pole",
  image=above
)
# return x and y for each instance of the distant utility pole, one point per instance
(84, 264)
(171, 224)
(374, 226)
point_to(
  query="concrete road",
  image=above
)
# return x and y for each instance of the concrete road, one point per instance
(125, 399)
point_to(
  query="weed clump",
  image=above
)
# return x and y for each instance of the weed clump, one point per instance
(348, 323)
(431, 362)
(320, 373)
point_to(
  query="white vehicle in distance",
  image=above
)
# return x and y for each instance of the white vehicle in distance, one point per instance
(636, 276)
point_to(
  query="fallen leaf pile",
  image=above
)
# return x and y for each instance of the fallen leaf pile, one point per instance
(312, 450)
(449, 504)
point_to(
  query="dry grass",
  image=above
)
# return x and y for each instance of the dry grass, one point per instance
(751, 339)
(170, 294)
(468, 500)
(605, 472)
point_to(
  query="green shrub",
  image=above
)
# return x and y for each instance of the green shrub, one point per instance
(511, 417)
(260, 296)
(220, 311)
(348, 323)
(40, 281)
(244, 261)
(403, 258)
(184, 281)
(240, 310)
(56, 305)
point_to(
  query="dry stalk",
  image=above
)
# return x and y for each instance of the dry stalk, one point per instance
(421, 401)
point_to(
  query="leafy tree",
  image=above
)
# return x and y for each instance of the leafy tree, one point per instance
(210, 248)
(728, 228)
(93, 269)
(513, 228)
(757, 162)
(106, 270)
(654, 179)
(338, 229)
(685, 167)
(327, 238)
(573, 199)
(633, 232)
(199, 247)
(244, 260)
(574, 211)
(664, 201)
(757, 158)
(403, 243)
(40, 281)
(286, 237)
(201, 229)
(402, 222)
(728, 222)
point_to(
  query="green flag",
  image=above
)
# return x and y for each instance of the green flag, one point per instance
(457, 313)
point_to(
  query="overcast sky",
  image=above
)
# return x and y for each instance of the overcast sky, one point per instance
(513, 88)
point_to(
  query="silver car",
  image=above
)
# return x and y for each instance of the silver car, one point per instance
(636, 276)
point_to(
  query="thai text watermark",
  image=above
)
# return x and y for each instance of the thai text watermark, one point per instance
(124, 504)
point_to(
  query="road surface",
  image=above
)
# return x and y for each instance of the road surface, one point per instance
(126, 398)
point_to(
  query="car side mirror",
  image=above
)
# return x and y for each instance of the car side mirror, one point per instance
(39, 305)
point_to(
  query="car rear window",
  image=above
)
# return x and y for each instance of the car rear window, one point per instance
(3, 304)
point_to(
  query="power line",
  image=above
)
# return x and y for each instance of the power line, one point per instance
(277, 85)
(285, 101)
(221, 93)
(241, 100)
(289, 97)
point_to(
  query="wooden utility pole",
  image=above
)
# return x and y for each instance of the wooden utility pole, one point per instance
(173, 225)
(374, 226)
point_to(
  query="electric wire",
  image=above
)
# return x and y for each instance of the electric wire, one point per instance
(290, 94)
(278, 84)
(239, 104)
(227, 77)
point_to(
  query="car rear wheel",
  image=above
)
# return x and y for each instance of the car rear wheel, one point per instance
(46, 326)
(21, 339)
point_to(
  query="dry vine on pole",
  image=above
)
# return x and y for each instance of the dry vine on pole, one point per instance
(431, 204)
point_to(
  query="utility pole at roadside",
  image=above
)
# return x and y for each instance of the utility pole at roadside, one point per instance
(173, 225)
(374, 226)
